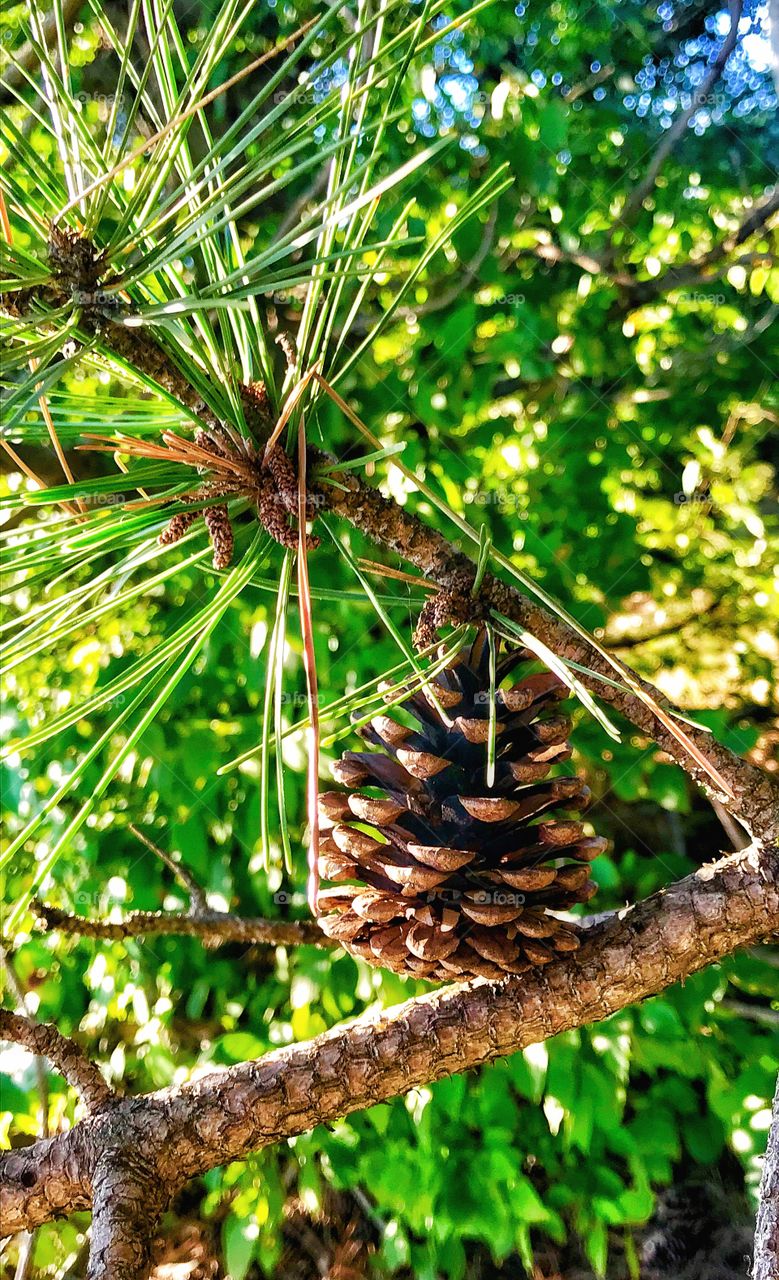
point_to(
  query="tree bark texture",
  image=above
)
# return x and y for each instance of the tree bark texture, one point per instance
(175, 1134)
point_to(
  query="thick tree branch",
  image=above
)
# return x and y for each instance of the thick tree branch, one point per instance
(213, 928)
(766, 1258)
(181, 1132)
(126, 1206)
(64, 1055)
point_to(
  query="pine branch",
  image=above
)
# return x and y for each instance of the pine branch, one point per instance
(673, 135)
(383, 521)
(64, 1055)
(754, 795)
(162, 1140)
(213, 928)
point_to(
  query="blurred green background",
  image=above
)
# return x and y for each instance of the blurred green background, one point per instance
(605, 407)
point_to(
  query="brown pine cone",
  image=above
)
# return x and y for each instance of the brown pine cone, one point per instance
(456, 878)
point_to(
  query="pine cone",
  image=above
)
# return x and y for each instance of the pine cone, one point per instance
(456, 878)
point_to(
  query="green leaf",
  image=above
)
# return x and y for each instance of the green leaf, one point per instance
(240, 1241)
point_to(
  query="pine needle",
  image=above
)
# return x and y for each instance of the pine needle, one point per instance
(309, 663)
(185, 115)
(42, 401)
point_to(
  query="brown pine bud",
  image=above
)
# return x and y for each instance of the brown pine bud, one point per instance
(220, 532)
(178, 526)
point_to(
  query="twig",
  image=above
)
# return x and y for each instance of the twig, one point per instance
(64, 1054)
(754, 221)
(315, 188)
(198, 904)
(597, 77)
(27, 1241)
(736, 834)
(633, 640)
(753, 1012)
(467, 274)
(676, 131)
(214, 928)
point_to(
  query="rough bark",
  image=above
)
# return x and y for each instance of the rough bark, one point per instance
(178, 1133)
(126, 1206)
(64, 1055)
(766, 1259)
